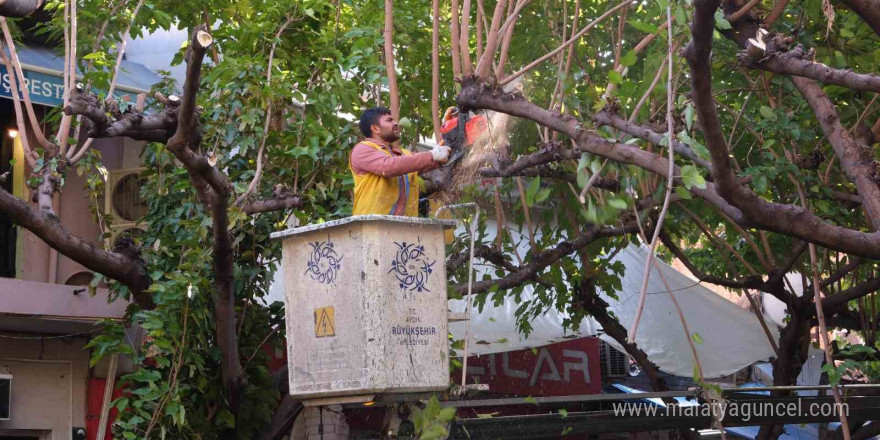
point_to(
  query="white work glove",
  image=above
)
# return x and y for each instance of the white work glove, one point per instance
(440, 153)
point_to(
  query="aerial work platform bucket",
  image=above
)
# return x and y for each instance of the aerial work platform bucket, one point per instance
(366, 307)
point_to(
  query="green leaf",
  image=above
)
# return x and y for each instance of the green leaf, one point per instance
(446, 414)
(582, 163)
(697, 338)
(563, 412)
(614, 77)
(699, 149)
(629, 59)
(683, 193)
(720, 21)
(690, 177)
(531, 400)
(542, 195)
(617, 202)
(532, 191)
(582, 179)
(644, 27)
(767, 113)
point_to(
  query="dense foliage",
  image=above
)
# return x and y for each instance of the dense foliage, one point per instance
(327, 55)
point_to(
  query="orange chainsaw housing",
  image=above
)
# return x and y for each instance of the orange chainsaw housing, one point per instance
(473, 128)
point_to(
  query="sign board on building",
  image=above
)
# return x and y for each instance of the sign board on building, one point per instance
(5, 396)
(562, 369)
(44, 88)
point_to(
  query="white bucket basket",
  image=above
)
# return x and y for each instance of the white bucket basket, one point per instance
(366, 307)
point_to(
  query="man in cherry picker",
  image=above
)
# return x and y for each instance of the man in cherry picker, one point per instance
(386, 176)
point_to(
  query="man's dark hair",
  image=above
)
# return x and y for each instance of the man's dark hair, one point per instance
(371, 117)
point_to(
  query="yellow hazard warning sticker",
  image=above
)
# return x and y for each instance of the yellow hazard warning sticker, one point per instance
(325, 322)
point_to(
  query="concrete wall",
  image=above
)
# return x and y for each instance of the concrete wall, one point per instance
(31, 298)
(49, 383)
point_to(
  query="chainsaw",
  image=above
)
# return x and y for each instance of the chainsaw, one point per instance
(460, 131)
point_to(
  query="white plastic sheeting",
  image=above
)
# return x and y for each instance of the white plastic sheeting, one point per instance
(732, 337)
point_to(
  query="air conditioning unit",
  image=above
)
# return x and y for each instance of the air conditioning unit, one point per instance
(614, 362)
(124, 204)
(5, 396)
(122, 197)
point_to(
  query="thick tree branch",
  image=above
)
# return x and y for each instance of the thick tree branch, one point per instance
(188, 133)
(224, 303)
(19, 8)
(15, 65)
(788, 219)
(478, 96)
(748, 210)
(775, 13)
(491, 255)
(156, 127)
(868, 10)
(282, 199)
(484, 64)
(605, 117)
(845, 296)
(595, 306)
(697, 54)
(853, 263)
(797, 62)
(390, 72)
(857, 160)
(127, 268)
(542, 260)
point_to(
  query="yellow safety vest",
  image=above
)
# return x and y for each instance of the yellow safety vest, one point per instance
(375, 194)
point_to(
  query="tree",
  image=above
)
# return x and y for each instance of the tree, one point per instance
(764, 181)
(781, 181)
(228, 161)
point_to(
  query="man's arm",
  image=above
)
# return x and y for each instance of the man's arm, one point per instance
(365, 159)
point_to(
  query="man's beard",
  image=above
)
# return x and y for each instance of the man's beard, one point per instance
(391, 137)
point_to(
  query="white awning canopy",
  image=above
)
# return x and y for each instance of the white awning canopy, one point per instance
(732, 338)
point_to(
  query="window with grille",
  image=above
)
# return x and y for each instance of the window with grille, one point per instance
(614, 362)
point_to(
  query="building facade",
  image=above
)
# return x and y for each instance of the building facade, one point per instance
(48, 390)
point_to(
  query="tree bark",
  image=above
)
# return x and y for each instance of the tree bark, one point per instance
(394, 95)
(127, 268)
(595, 306)
(738, 203)
(868, 10)
(19, 8)
(857, 160)
(797, 62)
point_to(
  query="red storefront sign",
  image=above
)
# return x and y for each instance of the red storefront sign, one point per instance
(562, 369)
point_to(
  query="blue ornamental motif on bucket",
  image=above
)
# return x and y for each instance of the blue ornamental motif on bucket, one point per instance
(324, 262)
(412, 267)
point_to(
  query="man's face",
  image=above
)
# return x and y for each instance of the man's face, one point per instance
(386, 129)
